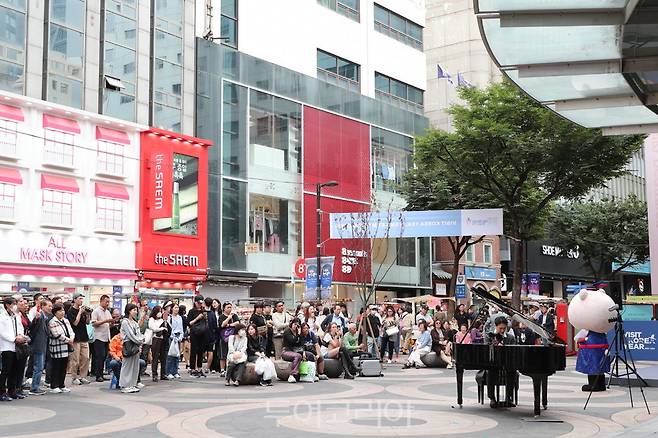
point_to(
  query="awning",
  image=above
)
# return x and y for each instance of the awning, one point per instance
(64, 274)
(111, 191)
(60, 124)
(112, 135)
(11, 113)
(172, 277)
(591, 61)
(10, 175)
(440, 273)
(60, 183)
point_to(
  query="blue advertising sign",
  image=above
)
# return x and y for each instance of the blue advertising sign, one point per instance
(476, 273)
(637, 312)
(326, 277)
(640, 338)
(116, 297)
(436, 223)
(640, 268)
(460, 291)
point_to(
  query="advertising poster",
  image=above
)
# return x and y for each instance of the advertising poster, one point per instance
(640, 339)
(326, 277)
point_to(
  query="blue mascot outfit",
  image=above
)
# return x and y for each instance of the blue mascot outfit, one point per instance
(593, 361)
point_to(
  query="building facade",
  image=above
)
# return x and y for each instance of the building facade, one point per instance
(69, 190)
(288, 119)
(128, 59)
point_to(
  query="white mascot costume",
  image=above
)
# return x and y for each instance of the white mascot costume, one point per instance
(589, 312)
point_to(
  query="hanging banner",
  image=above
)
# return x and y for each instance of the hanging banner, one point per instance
(326, 278)
(161, 184)
(436, 223)
(533, 283)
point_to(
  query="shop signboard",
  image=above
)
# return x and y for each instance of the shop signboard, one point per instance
(160, 183)
(477, 273)
(640, 337)
(436, 223)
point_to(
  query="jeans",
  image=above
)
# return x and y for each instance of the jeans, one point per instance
(38, 360)
(388, 343)
(172, 365)
(100, 353)
(372, 346)
(295, 358)
(234, 371)
(115, 367)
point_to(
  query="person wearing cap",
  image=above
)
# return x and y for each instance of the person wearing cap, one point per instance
(101, 318)
(198, 321)
(78, 316)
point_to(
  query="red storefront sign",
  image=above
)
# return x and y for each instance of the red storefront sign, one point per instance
(337, 149)
(173, 208)
(160, 179)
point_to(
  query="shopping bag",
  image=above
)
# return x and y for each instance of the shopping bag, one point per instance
(260, 366)
(174, 349)
(309, 377)
(304, 367)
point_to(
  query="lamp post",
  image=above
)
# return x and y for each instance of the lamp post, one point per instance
(318, 220)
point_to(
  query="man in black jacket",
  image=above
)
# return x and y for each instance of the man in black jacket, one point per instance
(546, 320)
(39, 344)
(372, 324)
(337, 318)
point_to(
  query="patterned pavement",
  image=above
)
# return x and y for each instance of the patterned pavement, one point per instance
(402, 403)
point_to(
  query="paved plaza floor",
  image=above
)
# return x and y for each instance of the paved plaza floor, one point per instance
(403, 403)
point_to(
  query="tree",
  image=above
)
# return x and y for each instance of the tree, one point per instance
(604, 232)
(524, 157)
(431, 186)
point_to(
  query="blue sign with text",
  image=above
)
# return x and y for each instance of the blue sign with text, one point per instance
(475, 273)
(640, 339)
(460, 291)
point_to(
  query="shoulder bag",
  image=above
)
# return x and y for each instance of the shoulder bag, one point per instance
(22, 350)
(200, 327)
(129, 348)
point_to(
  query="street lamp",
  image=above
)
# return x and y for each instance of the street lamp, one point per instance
(318, 220)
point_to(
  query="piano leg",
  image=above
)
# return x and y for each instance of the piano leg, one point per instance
(544, 392)
(460, 382)
(536, 385)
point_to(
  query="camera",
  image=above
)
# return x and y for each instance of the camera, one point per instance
(87, 309)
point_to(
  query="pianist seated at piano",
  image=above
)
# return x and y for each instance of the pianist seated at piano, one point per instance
(421, 348)
(499, 338)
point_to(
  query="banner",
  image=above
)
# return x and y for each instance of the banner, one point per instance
(326, 277)
(437, 223)
(161, 184)
(533, 283)
(640, 339)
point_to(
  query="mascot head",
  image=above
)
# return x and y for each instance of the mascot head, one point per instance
(589, 310)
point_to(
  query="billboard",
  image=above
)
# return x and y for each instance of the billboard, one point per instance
(436, 223)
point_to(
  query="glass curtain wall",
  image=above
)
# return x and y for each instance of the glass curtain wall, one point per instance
(119, 58)
(167, 80)
(65, 67)
(391, 158)
(12, 45)
(229, 23)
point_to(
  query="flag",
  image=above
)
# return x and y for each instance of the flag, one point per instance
(443, 74)
(462, 82)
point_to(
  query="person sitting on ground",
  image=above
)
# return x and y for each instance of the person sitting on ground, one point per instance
(236, 357)
(440, 345)
(256, 346)
(116, 358)
(312, 351)
(421, 348)
(448, 331)
(292, 348)
(332, 348)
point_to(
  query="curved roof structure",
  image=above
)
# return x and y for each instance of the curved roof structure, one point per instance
(594, 62)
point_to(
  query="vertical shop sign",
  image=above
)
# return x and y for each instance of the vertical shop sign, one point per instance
(160, 184)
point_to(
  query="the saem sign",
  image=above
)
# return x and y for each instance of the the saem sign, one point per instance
(161, 181)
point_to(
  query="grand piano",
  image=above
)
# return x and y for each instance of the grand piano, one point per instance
(535, 361)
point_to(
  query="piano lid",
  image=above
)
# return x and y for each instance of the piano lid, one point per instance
(543, 333)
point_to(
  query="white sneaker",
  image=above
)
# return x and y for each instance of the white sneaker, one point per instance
(84, 381)
(55, 391)
(170, 377)
(140, 385)
(213, 372)
(127, 390)
(64, 390)
(135, 389)
(388, 361)
(292, 379)
(176, 376)
(76, 382)
(316, 379)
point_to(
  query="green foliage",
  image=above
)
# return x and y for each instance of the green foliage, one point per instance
(605, 232)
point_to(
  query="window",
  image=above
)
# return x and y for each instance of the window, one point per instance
(391, 158)
(58, 148)
(66, 52)
(348, 8)
(397, 92)
(338, 71)
(8, 137)
(7, 198)
(234, 226)
(109, 214)
(120, 60)
(406, 251)
(396, 26)
(57, 208)
(110, 158)
(487, 249)
(269, 220)
(274, 132)
(229, 23)
(470, 255)
(12, 46)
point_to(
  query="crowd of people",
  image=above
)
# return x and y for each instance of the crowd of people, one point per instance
(56, 338)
